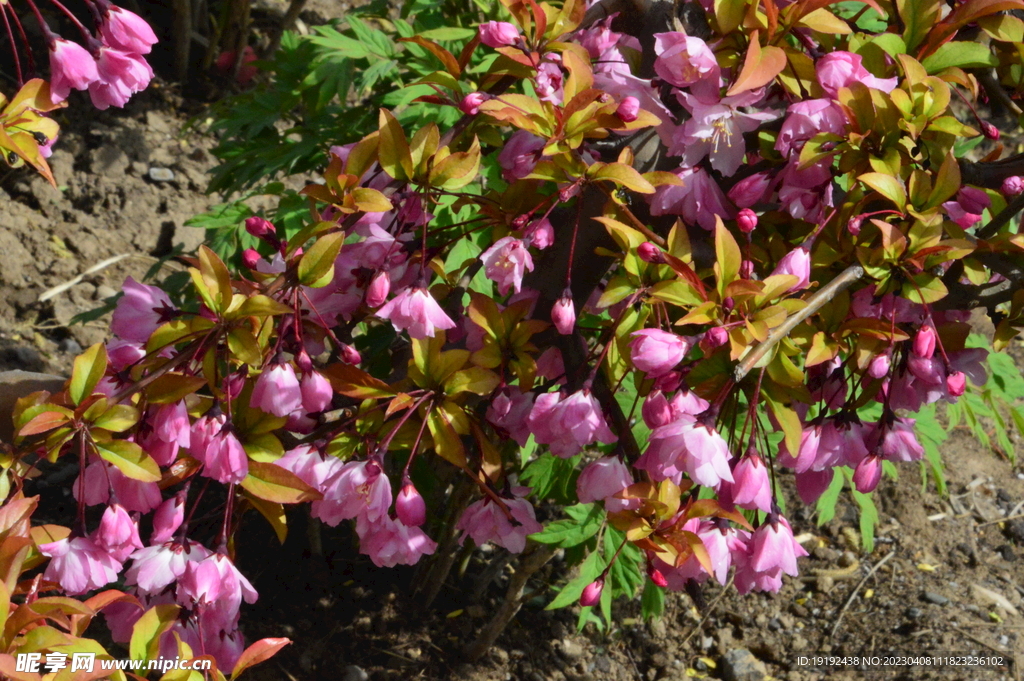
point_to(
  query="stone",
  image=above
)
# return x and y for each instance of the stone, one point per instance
(161, 174)
(354, 673)
(70, 346)
(932, 597)
(739, 664)
(571, 650)
(914, 613)
(17, 384)
(103, 292)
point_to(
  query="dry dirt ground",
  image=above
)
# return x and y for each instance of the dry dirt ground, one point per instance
(952, 580)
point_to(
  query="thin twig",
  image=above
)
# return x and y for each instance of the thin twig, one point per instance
(708, 613)
(856, 590)
(1000, 520)
(1004, 216)
(814, 303)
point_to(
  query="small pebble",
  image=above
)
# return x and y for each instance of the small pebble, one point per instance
(932, 597)
(1004, 640)
(914, 613)
(161, 174)
(70, 346)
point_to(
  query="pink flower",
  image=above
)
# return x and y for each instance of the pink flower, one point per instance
(746, 221)
(684, 60)
(751, 190)
(969, 206)
(1012, 185)
(484, 521)
(716, 129)
(216, 583)
(390, 542)
(277, 390)
(868, 474)
(567, 425)
(155, 567)
(773, 546)
(359, 488)
(416, 310)
(470, 104)
(657, 352)
(79, 565)
(592, 593)
(316, 392)
(505, 262)
(167, 519)
(806, 119)
(548, 82)
(797, 263)
(656, 411)
(900, 443)
(956, 383)
(126, 31)
(804, 192)
(378, 290)
(751, 486)
(629, 109)
(71, 68)
(117, 534)
(539, 234)
(879, 366)
(510, 410)
(810, 440)
(410, 507)
(699, 200)
(214, 443)
(603, 478)
(563, 313)
(120, 75)
(498, 34)
(841, 69)
(139, 311)
(520, 155)
(687, 446)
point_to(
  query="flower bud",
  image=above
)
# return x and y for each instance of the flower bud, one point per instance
(990, 131)
(656, 410)
(563, 313)
(349, 354)
(924, 342)
(879, 366)
(656, 576)
(854, 224)
(747, 220)
(747, 269)
(377, 291)
(303, 361)
(729, 304)
(250, 258)
(868, 474)
(629, 109)
(520, 220)
(410, 507)
(259, 227)
(648, 252)
(715, 337)
(956, 383)
(498, 34)
(592, 593)
(470, 104)
(1012, 186)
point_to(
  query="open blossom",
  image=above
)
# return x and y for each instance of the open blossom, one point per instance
(603, 478)
(510, 410)
(684, 60)
(215, 444)
(121, 74)
(716, 129)
(687, 446)
(357, 489)
(277, 390)
(126, 30)
(416, 310)
(548, 82)
(900, 442)
(484, 521)
(118, 534)
(139, 311)
(806, 119)
(698, 200)
(155, 567)
(657, 352)
(71, 68)
(841, 69)
(79, 565)
(775, 547)
(519, 156)
(505, 262)
(568, 425)
(968, 207)
(389, 542)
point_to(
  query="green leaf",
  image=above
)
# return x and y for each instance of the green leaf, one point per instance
(827, 502)
(317, 265)
(129, 459)
(118, 418)
(590, 570)
(585, 522)
(551, 477)
(622, 174)
(727, 254)
(868, 519)
(272, 483)
(87, 372)
(960, 54)
(888, 186)
(145, 642)
(652, 601)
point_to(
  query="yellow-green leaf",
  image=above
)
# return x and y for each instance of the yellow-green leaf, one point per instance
(87, 373)
(129, 459)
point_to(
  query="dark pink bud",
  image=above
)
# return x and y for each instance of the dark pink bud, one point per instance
(233, 384)
(498, 34)
(1013, 185)
(648, 252)
(956, 383)
(563, 313)
(470, 104)
(924, 342)
(656, 576)
(868, 474)
(747, 220)
(728, 304)
(520, 221)
(990, 131)
(747, 269)
(715, 338)
(250, 258)
(303, 362)
(410, 507)
(628, 110)
(592, 593)
(349, 354)
(259, 227)
(377, 291)
(854, 224)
